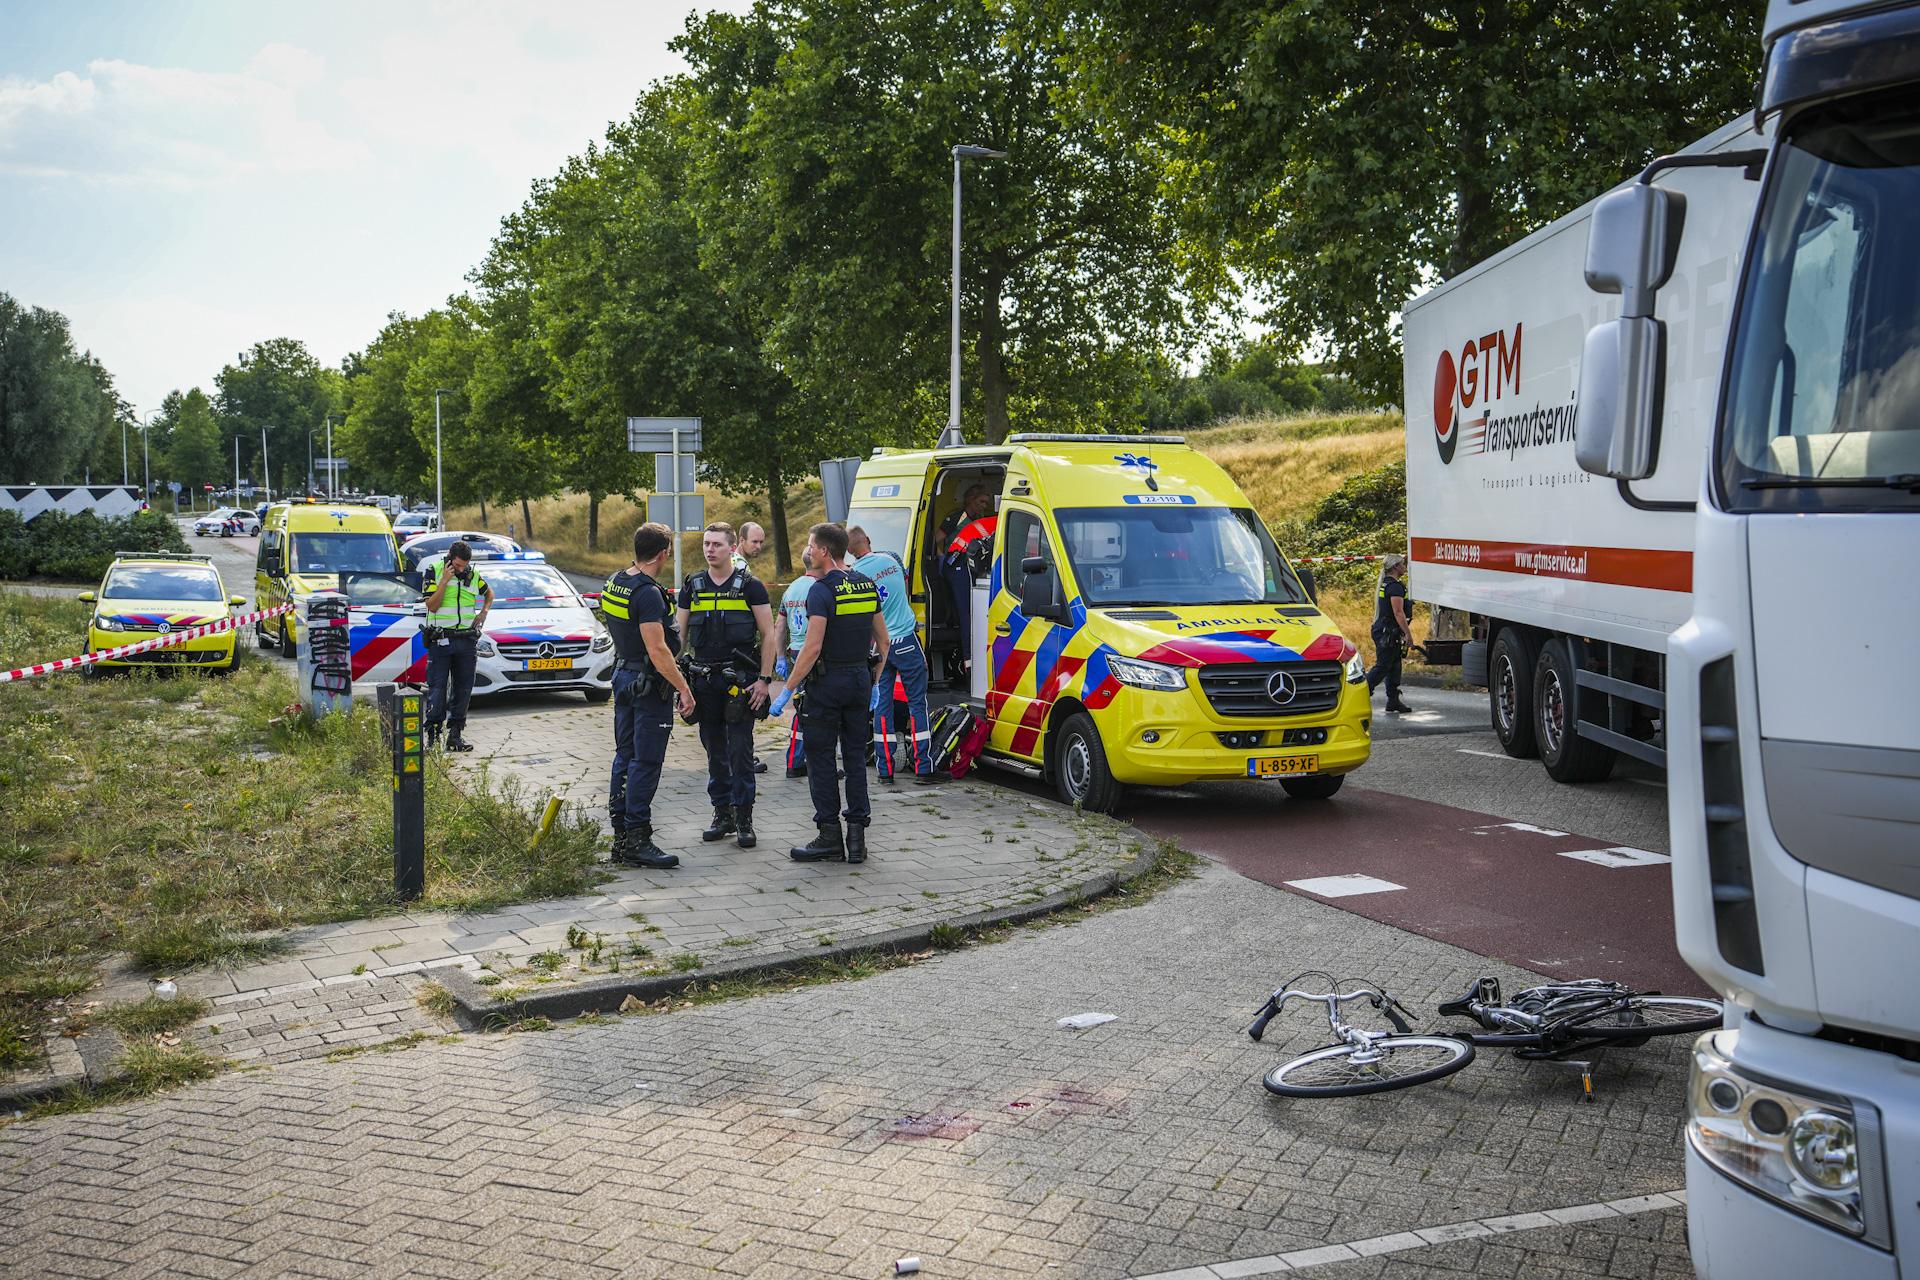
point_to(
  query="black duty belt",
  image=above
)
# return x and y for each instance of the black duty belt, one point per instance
(632, 664)
(836, 666)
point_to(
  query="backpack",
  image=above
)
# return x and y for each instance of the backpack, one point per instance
(970, 747)
(952, 725)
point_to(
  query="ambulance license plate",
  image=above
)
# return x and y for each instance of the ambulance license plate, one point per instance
(1281, 766)
(549, 664)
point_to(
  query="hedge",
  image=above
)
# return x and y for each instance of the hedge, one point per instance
(79, 547)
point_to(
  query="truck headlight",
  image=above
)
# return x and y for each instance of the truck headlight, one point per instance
(1799, 1151)
(1147, 675)
(602, 642)
(483, 648)
(1356, 669)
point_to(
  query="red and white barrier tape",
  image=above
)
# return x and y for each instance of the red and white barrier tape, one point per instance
(1335, 559)
(125, 650)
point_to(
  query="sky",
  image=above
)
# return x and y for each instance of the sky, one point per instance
(182, 180)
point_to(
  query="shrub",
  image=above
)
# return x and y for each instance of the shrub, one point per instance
(79, 547)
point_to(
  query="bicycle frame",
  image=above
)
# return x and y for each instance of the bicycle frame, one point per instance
(1363, 1041)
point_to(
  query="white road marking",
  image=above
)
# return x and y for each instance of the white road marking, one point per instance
(1619, 857)
(1526, 826)
(1344, 886)
(1421, 1237)
(1491, 755)
(1647, 782)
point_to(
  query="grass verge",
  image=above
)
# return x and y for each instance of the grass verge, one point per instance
(163, 815)
(146, 1068)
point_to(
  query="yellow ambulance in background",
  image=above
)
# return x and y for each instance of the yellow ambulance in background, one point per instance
(303, 545)
(1134, 624)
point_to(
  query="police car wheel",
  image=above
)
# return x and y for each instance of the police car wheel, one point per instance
(597, 696)
(1080, 769)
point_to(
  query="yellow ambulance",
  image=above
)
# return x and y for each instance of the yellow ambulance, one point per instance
(303, 545)
(1130, 620)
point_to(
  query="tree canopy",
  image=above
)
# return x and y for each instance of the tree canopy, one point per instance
(58, 412)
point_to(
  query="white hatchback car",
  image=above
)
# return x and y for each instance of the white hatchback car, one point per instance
(223, 522)
(541, 634)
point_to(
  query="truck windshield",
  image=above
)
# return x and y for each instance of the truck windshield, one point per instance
(1174, 555)
(1823, 406)
(339, 552)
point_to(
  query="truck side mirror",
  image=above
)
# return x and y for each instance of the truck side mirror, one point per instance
(1633, 241)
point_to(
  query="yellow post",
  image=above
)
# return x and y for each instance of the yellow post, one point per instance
(546, 819)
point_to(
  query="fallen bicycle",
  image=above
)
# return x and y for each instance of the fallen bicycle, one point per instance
(1548, 1023)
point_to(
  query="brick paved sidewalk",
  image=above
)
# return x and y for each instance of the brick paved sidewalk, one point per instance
(935, 853)
(934, 1111)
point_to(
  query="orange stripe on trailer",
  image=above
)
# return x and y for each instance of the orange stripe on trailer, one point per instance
(1618, 566)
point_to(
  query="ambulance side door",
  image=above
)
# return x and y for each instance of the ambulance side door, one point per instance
(1016, 640)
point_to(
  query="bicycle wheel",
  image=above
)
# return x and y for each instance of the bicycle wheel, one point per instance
(1640, 1018)
(1391, 1062)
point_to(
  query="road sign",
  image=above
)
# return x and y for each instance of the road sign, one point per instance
(693, 511)
(655, 435)
(330, 464)
(663, 477)
(836, 486)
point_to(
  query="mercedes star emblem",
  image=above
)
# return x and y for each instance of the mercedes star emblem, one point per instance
(1281, 688)
(546, 649)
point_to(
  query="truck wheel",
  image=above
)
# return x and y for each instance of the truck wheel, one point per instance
(1317, 788)
(288, 648)
(1568, 756)
(1080, 767)
(1510, 680)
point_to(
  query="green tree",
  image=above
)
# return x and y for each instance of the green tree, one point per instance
(56, 404)
(822, 134)
(279, 386)
(193, 455)
(1346, 155)
(377, 437)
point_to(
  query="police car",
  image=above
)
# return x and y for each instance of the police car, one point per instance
(541, 634)
(224, 521)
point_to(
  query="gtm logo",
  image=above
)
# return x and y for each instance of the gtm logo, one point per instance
(1487, 370)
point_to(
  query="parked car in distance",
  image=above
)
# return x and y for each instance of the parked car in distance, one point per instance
(417, 548)
(414, 523)
(223, 522)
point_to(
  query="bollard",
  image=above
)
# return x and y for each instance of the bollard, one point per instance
(400, 714)
(546, 820)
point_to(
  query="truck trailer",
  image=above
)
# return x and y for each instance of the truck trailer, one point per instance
(1666, 453)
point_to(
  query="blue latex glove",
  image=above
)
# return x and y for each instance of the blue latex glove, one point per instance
(780, 701)
(780, 666)
(873, 703)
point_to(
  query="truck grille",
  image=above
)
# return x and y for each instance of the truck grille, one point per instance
(1242, 688)
(560, 649)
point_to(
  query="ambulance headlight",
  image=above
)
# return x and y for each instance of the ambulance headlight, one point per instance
(1147, 675)
(483, 648)
(1803, 1152)
(1356, 669)
(109, 624)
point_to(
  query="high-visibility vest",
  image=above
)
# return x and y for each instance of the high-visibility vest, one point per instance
(981, 528)
(460, 603)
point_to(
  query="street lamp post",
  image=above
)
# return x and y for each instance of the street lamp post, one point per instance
(439, 505)
(309, 462)
(266, 467)
(333, 463)
(953, 435)
(146, 456)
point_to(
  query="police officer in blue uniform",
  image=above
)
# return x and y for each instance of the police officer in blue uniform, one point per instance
(844, 625)
(722, 608)
(646, 681)
(1392, 633)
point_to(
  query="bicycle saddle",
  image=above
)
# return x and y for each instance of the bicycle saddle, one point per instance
(1483, 991)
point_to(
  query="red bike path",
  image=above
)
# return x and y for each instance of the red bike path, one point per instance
(1481, 882)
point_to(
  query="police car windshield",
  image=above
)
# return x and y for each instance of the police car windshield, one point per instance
(158, 582)
(524, 587)
(1174, 555)
(342, 552)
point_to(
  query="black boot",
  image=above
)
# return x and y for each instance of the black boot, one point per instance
(856, 842)
(722, 824)
(800, 772)
(619, 854)
(643, 852)
(457, 743)
(433, 737)
(743, 826)
(1397, 707)
(825, 847)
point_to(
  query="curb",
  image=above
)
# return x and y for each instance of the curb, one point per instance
(474, 1008)
(97, 1054)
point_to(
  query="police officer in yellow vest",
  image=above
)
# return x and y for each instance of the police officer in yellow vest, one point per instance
(844, 625)
(457, 603)
(721, 610)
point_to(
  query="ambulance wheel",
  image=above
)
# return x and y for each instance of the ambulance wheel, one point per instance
(1567, 756)
(1510, 679)
(232, 664)
(288, 648)
(1080, 767)
(595, 697)
(1317, 788)
(260, 637)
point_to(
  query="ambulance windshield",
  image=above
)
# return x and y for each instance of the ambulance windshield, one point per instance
(1823, 406)
(1167, 555)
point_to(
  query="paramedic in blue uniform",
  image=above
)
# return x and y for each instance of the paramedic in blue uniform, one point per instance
(791, 624)
(905, 660)
(1392, 632)
(843, 626)
(646, 681)
(722, 609)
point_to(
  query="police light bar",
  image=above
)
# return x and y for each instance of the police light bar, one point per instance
(487, 553)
